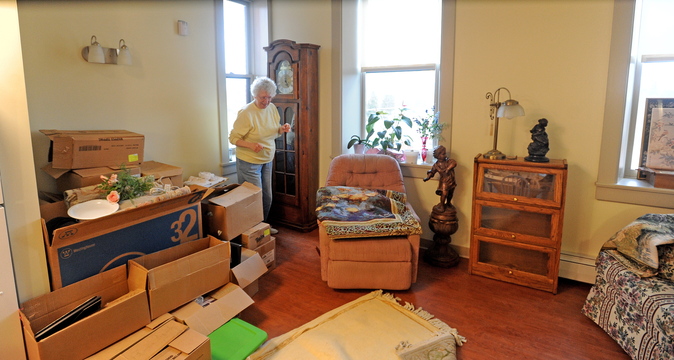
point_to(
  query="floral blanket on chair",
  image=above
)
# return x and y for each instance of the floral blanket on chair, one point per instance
(351, 212)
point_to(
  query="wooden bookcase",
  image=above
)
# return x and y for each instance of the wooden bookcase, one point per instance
(516, 228)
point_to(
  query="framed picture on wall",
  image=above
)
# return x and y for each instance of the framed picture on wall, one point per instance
(658, 141)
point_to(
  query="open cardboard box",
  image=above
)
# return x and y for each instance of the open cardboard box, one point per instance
(230, 210)
(89, 247)
(166, 174)
(180, 274)
(124, 310)
(79, 178)
(219, 306)
(78, 149)
(163, 338)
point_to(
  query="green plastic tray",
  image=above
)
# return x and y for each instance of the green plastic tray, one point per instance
(235, 340)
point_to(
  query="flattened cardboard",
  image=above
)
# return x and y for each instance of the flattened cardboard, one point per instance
(122, 345)
(94, 148)
(230, 300)
(154, 342)
(81, 250)
(125, 310)
(190, 345)
(256, 236)
(178, 275)
(167, 174)
(231, 210)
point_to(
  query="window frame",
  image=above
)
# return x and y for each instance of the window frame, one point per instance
(258, 36)
(613, 181)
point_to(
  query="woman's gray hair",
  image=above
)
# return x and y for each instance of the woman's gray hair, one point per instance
(263, 83)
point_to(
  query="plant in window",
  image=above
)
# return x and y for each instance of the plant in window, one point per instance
(391, 136)
(428, 127)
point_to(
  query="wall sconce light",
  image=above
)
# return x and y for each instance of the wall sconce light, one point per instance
(497, 109)
(95, 53)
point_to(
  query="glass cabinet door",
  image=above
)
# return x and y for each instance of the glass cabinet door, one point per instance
(531, 260)
(516, 223)
(285, 167)
(519, 184)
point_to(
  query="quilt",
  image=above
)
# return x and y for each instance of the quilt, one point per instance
(352, 212)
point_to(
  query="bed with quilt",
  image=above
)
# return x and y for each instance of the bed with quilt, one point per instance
(633, 295)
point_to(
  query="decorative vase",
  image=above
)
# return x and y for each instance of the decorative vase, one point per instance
(424, 150)
(359, 148)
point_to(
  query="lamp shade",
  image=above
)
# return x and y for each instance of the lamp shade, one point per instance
(510, 109)
(96, 54)
(124, 56)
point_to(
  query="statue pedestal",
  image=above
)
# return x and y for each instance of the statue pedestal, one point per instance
(443, 223)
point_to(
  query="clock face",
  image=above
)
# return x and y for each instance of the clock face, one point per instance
(284, 77)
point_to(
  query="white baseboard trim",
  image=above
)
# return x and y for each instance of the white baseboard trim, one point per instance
(571, 266)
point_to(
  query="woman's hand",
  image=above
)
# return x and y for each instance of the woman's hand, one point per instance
(284, 128)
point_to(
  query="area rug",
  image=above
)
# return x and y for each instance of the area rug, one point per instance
(374, 326)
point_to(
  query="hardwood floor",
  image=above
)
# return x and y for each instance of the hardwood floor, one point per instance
(499, 320)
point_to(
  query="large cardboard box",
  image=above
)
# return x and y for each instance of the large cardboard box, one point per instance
(94, 148)
(209, 312)
(163, 338)
(256, 236)
(167, 174)
(79, 178)
(89, 247)
(231, 210)
(124, 310)
(178, 275)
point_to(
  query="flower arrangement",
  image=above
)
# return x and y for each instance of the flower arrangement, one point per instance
(428, 125)
(124, 186)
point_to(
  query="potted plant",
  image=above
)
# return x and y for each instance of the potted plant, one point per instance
(428, 127)
(359, 144)
(390, 134)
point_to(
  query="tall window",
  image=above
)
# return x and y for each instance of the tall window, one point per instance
(400, 52)
(653, 75)
(237, 54)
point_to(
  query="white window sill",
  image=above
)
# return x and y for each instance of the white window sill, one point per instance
(418, 170)
(638, 192)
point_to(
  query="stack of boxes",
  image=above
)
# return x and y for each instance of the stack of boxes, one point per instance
(164, 285)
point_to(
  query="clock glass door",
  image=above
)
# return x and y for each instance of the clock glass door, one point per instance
(285, 167)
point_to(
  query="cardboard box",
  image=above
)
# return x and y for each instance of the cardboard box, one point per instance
(247, 273)
(78, 178)
(167, 174)
(180, 274)
(221, 306)
(94, 148)
(214, 309)
(163, 338)
(268, 253)
(89, 247)
(231, 210)
(256, 236)
(124, 310)
(658, 178)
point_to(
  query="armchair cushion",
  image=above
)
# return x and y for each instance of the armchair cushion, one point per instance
(353, 212)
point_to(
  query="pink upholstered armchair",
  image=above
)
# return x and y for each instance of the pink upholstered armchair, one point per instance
(368, 263)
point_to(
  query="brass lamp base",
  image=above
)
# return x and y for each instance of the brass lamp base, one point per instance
(494, 155)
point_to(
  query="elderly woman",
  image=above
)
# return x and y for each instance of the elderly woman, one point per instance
(255, 129)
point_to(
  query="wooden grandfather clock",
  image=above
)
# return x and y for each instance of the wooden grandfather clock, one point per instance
(294, 68)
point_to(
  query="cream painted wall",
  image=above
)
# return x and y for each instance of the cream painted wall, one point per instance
(310, 22)
(16, 163)
(169, 94)
(553, 56)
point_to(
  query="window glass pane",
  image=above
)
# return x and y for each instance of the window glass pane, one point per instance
(393, 90)
(236, 39)
(657, 27)
(237, 97)
(397, 32)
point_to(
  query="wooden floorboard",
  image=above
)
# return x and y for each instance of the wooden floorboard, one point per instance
(498, 319)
